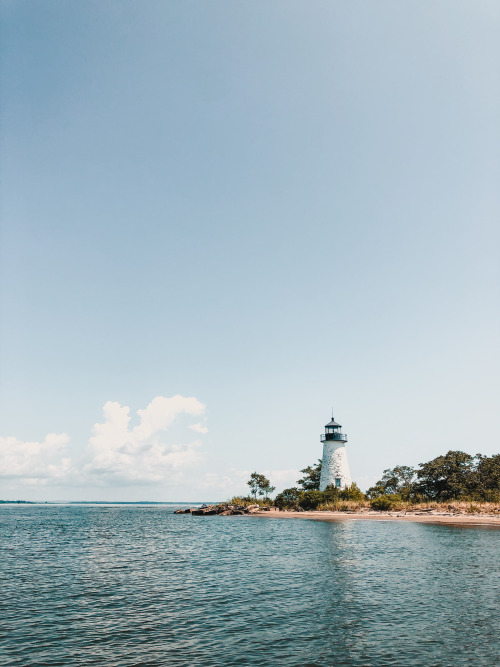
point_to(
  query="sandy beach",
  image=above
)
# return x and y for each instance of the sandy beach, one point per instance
(487, 520)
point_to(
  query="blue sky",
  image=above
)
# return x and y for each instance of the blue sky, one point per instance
(265, 209)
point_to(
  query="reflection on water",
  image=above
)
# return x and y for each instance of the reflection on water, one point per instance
(129, 585)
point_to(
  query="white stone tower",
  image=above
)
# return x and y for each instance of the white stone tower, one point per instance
(334, 466)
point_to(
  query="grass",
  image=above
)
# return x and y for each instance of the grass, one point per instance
(397, 505)
(249, 500)
(453, 506)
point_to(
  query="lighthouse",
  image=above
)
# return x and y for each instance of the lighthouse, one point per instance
(334, 465)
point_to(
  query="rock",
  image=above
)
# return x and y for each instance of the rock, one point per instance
(222, 510)
(204, 511)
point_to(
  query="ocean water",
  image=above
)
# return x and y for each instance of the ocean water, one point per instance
(138, 585)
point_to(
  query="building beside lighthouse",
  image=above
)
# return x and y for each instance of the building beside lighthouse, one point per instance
(334, 465)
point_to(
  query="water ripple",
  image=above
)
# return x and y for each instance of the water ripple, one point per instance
(139, 586)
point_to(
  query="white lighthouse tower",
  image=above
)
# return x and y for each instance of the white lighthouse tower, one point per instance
(334, 466)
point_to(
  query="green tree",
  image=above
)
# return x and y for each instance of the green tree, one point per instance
(448, 477)
(267, 488)
(288, 498)
(398, 480)
(487, 478)
(376, 490)
(312, 474)
(259, 484)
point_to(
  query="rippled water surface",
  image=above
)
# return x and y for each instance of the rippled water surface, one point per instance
(138, 585)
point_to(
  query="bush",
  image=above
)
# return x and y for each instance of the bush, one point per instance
(352, 492)
(385, 502)
(288, 498)
(309, 500)
(331, 494)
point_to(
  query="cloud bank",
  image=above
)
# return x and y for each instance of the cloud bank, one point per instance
(139, 455)
(158, 446)
(115, 453)
(35, 462)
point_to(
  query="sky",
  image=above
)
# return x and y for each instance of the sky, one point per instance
(221, 220)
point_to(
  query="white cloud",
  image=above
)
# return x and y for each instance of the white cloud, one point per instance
(121, 454)
(35, 462)
(115, 453)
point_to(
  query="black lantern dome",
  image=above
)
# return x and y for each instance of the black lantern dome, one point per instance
(332, 432)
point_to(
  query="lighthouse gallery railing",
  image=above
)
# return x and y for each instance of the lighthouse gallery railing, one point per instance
(333, 436)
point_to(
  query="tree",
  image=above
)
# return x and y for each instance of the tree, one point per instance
(447, 477)
(259, 484)
(487, 477)
(398, 480)
(312, 474)
(288, 498)
(267, 488)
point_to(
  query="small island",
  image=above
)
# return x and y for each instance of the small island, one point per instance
(453, 488)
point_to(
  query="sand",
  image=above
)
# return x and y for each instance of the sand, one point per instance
(487, 520)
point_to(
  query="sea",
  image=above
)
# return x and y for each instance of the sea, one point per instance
(137, 585)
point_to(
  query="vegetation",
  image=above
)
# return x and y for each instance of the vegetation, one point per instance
(249, 500)
(312, 474)
(17, 502)
(386, 502)
(312, 499)
(260, 485)
(455, 481)
(453, 476)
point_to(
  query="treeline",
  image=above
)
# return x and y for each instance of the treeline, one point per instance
(453, 476)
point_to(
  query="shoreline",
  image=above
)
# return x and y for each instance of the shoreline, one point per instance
(420, 517)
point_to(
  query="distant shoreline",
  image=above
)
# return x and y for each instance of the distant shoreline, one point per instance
(420, 517)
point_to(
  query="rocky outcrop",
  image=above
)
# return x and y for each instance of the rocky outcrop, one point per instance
(221, 510)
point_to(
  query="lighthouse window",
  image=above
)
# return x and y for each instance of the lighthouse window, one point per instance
(338, 482)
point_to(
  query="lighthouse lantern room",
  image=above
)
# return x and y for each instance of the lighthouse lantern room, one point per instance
(334, 465)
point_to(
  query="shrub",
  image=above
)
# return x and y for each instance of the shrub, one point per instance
(352, 492)
(385, 502)
(331, 494)
(287, 498)
(309, 500)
